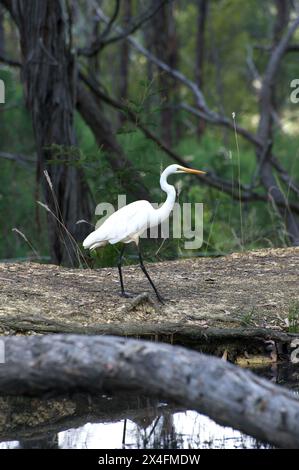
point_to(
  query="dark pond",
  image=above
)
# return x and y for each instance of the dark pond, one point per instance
(121, 421)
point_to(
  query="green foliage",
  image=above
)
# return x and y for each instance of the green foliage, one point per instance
(247, 317)
(293, 317)
(232, 30)
(262, 226)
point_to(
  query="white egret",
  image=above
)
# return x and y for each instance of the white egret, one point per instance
(128, 223)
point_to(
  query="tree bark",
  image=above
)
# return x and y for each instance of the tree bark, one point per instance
(165, 46)
(94, 61)
(228, 394)
(2, 44)
(283, 8)
(265, 127)
(200, 51)
(49, 75)
(124, 60)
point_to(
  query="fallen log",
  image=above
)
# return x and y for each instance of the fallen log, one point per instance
(229, 395)
(211, 340)
(40, 324)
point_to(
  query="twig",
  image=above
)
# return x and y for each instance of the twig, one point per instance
(103, 40)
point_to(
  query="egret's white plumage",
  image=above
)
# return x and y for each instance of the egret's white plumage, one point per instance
(128, 223)
(124, 225)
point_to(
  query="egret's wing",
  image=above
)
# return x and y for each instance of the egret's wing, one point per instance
(125, 222)
(131, 220)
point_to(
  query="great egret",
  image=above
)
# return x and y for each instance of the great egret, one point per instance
(128, 223)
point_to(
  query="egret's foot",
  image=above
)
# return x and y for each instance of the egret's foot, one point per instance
(127, 295)
(162, 300)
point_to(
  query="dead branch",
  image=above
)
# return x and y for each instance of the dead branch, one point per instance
(40, 324)
(104, 39)
(19, 158)
(10, 62)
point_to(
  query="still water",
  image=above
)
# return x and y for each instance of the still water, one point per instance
(122, 421)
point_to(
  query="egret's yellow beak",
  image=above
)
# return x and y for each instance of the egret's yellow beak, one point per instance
(194, 172)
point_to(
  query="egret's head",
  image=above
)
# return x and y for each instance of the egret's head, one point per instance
(181, 169)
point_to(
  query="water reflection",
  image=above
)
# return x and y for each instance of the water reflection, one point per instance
(185, 430)
(121, 421)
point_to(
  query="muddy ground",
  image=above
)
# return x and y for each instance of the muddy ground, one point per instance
(252, 289)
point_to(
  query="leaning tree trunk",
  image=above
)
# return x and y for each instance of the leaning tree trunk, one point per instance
(200, 52)
(49, 75)
(124, 60)
(265, 130)
(165, 47)
(2, 48)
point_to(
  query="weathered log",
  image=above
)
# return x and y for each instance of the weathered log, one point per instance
(236, 341)
(40, 324)
(229, 395)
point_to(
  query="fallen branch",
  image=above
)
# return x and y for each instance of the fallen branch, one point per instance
(104, 39)
(17, 157)
(40, 324)
(229, 395)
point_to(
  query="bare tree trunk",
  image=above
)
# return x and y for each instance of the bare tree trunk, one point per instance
(265, 127)
(228, 394)
(2, 44)
(283, 8)
(165, 47)
(49, 75)
(200, 51)
(124, 59)
(151, 100)
(94, 62)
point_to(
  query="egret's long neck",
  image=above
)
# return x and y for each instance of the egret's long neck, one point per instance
(164, 211)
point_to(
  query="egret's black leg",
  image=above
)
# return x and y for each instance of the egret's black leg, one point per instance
(123, 293)
(148, 276)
